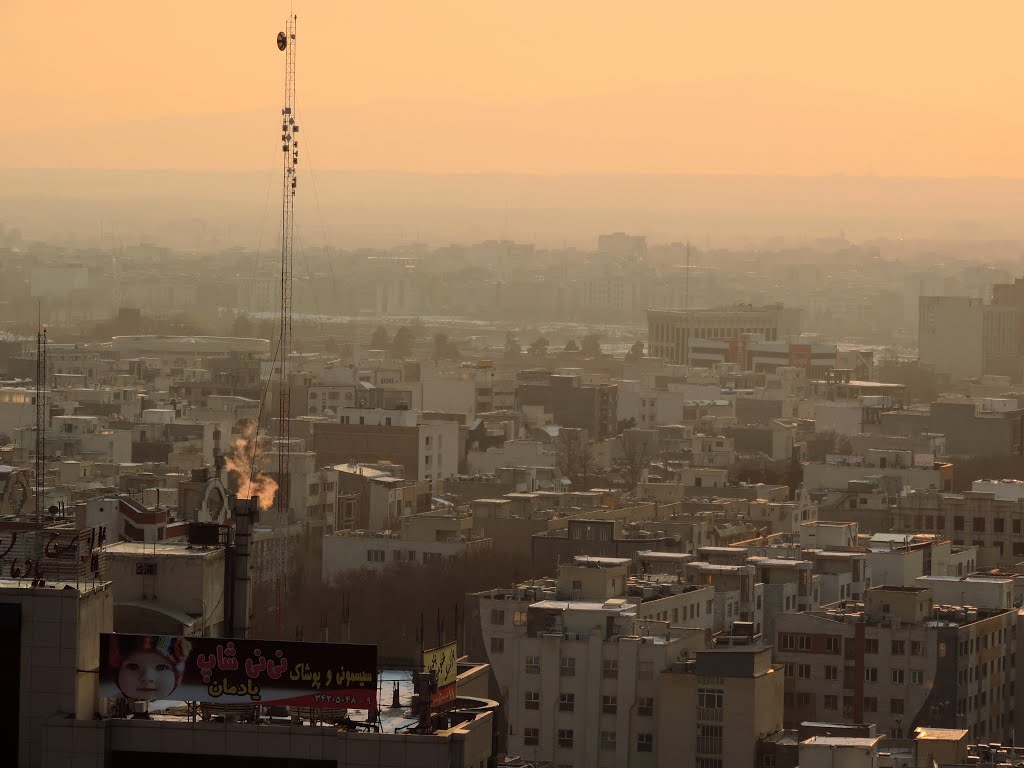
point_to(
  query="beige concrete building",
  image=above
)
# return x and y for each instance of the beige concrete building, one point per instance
(732, 695)
(995, 526)
(165, 588)
(601, 679)
(899, 660)
(670, 331)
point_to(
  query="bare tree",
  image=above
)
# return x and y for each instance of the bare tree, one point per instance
(637, 454)
(576, 458)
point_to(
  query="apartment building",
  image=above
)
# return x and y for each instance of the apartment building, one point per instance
(570, 402)
(426, 449)
(921, 472)
(670, 331)
(422, 538)
(580, 662)
(965, 338)
(995, 526)
(899, 660)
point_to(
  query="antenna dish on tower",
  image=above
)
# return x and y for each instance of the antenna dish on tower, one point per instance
(282, 41)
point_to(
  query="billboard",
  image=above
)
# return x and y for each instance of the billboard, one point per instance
(224, 671)
(443, 662)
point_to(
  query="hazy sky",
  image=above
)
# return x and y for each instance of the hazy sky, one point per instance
(559, 86)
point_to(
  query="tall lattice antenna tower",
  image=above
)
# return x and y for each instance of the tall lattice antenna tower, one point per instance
(290, 150)
(40, 466)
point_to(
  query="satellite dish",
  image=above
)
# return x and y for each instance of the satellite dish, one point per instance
(282, 41)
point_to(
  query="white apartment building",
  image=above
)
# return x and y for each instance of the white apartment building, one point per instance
(423, 538)
(579, 660)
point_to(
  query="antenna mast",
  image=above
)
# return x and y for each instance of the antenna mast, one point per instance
(290, 150)
(40, 467)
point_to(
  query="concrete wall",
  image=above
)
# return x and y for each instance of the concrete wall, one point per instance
(60, 632)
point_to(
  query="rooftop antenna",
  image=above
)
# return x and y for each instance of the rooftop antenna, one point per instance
(686, 300)
(40, 468)
(290, 151)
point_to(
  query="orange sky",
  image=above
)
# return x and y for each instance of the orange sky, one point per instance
(559, 86)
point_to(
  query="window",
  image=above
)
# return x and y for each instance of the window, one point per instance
(916, 677)
(831, 673)
(645, 742)
(899, 647)
(533, 665)
(611, 669)
(497, 617)
(709, 739)
(608, 741)
(803, 671)
(871, 674)
(577, 586)
(831, 702)
(790, 670)
(609, 705)
(709, 762)
(565, 738)
(532, 700)
(896, 676)
(375, 555)
(567, 666)
(998, 525)
(832, 645)
(531, 737)
(916, 648)
(519, 618)
(870, 704)
(958, 523)
(709, 698)
(896, 706)
(497, 645)
(645, 670)
(567, 702)
(871, 645)
(645, 707)
(979, 525)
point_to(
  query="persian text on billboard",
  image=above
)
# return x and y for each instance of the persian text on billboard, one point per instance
(444, 662)
(220, 670)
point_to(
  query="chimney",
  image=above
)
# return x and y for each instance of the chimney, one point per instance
(243, 512)
(218, 458)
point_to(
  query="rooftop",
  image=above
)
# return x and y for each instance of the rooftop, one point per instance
(159, 549)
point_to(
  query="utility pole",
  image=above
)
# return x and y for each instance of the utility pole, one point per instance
(290, 151)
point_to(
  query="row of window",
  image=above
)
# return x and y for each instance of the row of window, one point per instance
(608, 739)
(567, 666)
(830, 702)
(400, 555)
(609, 704)
(831, 644)
(498, 617)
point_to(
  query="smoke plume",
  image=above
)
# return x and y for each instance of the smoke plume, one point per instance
(243, 464)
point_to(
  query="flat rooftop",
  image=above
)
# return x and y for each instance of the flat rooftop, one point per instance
(83, 587)
(160, 549)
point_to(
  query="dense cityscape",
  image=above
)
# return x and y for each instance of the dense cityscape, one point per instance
(698, 495)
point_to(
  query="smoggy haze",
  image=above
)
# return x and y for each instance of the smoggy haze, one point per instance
(802, 88)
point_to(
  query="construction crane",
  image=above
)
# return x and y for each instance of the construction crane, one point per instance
(290, 151)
